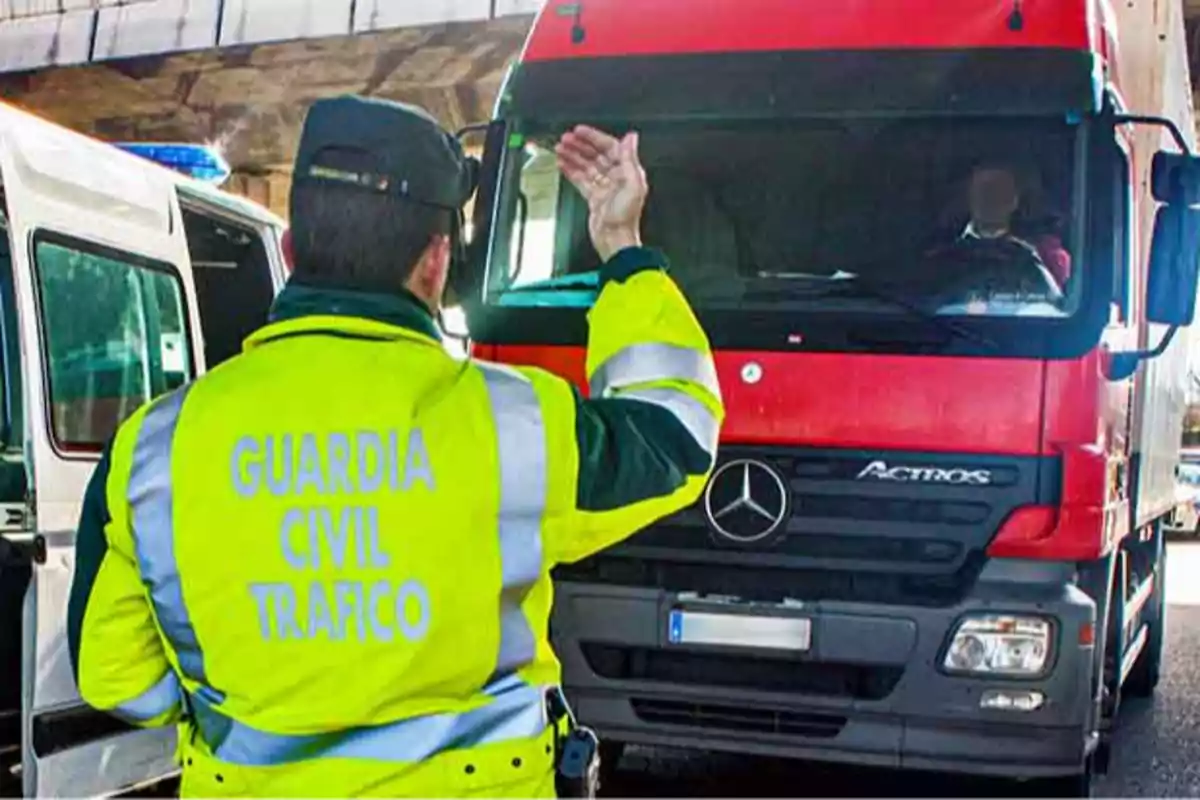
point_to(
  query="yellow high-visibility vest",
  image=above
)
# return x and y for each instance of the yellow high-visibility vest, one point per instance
(330, 556)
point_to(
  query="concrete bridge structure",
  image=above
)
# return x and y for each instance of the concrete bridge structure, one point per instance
(240, 73)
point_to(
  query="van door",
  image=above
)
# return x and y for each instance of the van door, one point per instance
(107, 315)
(17, 540)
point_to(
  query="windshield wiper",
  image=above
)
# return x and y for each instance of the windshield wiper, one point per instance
(848, 282)
(581, 280)
(886, 295)
(796, 285)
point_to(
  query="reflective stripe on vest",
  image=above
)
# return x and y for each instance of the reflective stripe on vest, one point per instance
(516, 711)
(151, 497)
(523, 465)
(700, 422)
(154, 702)
(644, 363)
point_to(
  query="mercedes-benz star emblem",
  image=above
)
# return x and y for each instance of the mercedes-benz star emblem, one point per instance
(746, 501)
(752, 372)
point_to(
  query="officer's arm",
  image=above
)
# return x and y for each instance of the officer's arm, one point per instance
(647, 437)
(118, 658)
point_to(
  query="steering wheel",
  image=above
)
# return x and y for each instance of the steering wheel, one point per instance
(990, 267)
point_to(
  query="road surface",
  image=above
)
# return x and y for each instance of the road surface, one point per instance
(1157, 751)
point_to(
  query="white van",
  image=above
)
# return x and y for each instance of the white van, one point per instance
(119, 280)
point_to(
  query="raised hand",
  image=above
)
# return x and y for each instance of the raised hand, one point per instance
(608, 174)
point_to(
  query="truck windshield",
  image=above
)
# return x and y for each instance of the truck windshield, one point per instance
(946, 217)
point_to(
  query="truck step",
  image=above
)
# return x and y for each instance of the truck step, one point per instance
(1136, 645)
(1138, 600)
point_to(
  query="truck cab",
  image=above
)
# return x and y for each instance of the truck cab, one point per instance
(119, 280)
(933, 250)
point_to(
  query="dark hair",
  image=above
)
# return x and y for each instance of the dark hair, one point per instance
(347, 238)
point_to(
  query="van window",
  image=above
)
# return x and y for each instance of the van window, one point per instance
(234, 289)
(114, 336)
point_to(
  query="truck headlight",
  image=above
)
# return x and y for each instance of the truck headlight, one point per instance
(1000, 644)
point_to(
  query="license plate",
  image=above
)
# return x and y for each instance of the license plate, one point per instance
(739, 630)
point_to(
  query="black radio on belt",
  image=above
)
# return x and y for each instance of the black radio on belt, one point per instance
(577, 762)
(578, 770)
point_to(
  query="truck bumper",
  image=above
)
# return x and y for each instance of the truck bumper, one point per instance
(868, 691)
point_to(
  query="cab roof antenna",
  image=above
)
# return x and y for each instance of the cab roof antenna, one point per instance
(1016, 20)
(575, 10)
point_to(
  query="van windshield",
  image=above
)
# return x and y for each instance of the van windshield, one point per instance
(954, 217)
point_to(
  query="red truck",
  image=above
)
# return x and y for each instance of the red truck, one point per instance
(946, 254)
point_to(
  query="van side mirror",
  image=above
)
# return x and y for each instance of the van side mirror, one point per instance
(1174, 266)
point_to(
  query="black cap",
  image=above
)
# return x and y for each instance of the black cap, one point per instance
(383, 146)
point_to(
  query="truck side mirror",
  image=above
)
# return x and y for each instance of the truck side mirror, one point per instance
(1171, 285)
(1174, 266)
(1175, 178)
(470, 271)
(1175, 249)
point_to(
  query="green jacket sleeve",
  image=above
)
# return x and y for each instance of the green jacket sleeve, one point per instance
(90, 549)
(647, 434)
(116, 653)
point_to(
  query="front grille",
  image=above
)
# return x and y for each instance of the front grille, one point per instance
(852, 681)
(775, 584)
(847, 536)
(889, 509)
(815, 546)
(735, 718)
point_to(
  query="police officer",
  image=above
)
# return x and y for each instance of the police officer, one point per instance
(329, 557)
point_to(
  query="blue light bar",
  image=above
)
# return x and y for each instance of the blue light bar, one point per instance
(197, 161)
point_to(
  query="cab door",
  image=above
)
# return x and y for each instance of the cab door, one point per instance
(106, 321)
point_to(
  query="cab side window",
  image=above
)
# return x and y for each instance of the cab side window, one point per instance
(1118, 225)
(114, 333)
